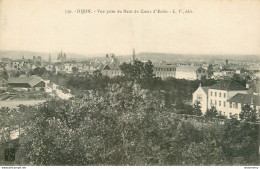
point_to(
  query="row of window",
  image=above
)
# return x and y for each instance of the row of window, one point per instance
(216, 94)
(234, 105)
(116, 73)
(219, 103)
(165, 69)
(165, 73)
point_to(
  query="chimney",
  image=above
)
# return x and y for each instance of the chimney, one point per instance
(252, 100)
(247, 85)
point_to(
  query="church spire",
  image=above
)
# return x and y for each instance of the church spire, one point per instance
(49, 58)
(133, 54)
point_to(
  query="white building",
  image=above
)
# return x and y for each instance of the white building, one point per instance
(201, 95)
(191, 72)
(227, 96)
(221, 92)
(164, 70)
(111, 70)
(239, 100)
(222, 74)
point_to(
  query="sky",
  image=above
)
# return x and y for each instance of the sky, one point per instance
(214, 27)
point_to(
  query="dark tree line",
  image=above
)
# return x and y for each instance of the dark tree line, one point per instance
(126, 125)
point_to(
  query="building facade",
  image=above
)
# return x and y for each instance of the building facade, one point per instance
(191, 72)
(164, 70)
(227, 96)
(201, 95)
(221, 92)
(26, 82)
(239, 100)
(111, 71)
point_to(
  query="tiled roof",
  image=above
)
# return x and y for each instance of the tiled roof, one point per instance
(228, 85)
(111, 67)
(245, 99)
(31, 80)
(206, 89)
(164, 66)
(188, 68)
(255, 86)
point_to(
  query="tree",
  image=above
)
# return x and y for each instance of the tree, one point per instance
(97, 73)
(240, 139)
(148, 71)
(197, 108)
(75, 70)
(212, 113)
(38, 71)
(248, 114)
(138, 71)
(5, 75)
(210, 70)
(105, 128)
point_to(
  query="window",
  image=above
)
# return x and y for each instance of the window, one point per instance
(215, 94)
(219, 103)
(215, 102)
(199, 97)
(235, 105)
(211, 102)
(224, 104)
(230, 105)
(210, 93)
(224, 95)
(219, 94)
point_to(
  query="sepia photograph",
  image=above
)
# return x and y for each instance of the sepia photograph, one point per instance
(129, 83)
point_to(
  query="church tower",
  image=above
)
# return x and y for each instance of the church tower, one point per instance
(133, 54)
(49, 58)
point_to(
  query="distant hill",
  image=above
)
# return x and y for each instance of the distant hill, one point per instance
(190, 57)
(171, 57)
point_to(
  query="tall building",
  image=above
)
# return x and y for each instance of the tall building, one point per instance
(62, 57)
(201, 95)
(134, 54)
(164, 70)
(219, 94)
(49, 58)
(191, 72)
(225, 96)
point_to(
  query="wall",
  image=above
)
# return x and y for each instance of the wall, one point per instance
(203, 101)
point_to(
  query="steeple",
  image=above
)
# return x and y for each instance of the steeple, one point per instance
(49, 58)
(226, 61)
(133, 54)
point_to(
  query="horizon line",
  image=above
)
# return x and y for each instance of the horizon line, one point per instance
(120, 54)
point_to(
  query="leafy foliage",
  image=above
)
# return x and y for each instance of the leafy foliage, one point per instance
(211, 113)
(248, 114)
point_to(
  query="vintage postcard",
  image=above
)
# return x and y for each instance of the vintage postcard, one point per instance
(129, 83)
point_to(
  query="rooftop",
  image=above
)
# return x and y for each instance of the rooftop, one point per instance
(228, 85)
(206, 89)
(31, 80)
(246, 99)
(188, 68)
(110, 67)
